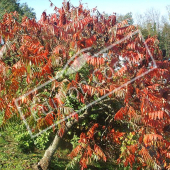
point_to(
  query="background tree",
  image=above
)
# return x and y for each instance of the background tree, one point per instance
(25, 10)
(14, 5)
(128, 16)
(151, 23)
(164, 38)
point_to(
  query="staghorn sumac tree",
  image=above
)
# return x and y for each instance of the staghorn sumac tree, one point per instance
(95, 89)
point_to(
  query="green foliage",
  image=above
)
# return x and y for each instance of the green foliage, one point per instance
(27, 11)
(17, 130)
(25, 142)
(127, 142)
(2, 141)
(1, 117)
(127, 16)
(42, 140)
(73, 164)
(8, 6)
(74, 141)
(164, 38)
(14, 5)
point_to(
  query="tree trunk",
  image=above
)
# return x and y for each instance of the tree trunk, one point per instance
(44, 163)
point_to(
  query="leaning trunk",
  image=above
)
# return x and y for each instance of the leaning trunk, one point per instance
(44, 163)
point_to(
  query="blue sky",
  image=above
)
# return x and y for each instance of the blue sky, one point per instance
(109, 6)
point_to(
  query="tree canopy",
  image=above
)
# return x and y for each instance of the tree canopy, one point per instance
(55, 77)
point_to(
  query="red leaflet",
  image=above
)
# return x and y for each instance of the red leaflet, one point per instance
(28, 79)
(61, 132)
(58, 101)
(75, 115)
(75, 151)
(90, 133)
(151, 138)
(95, 61)
(49, 119)
(156, 115)
(122, 112)
(77, 77)
(99, 152)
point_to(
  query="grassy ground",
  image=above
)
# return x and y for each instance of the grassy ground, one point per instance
(12, 157)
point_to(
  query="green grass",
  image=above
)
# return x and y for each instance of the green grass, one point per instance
(12, 157)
